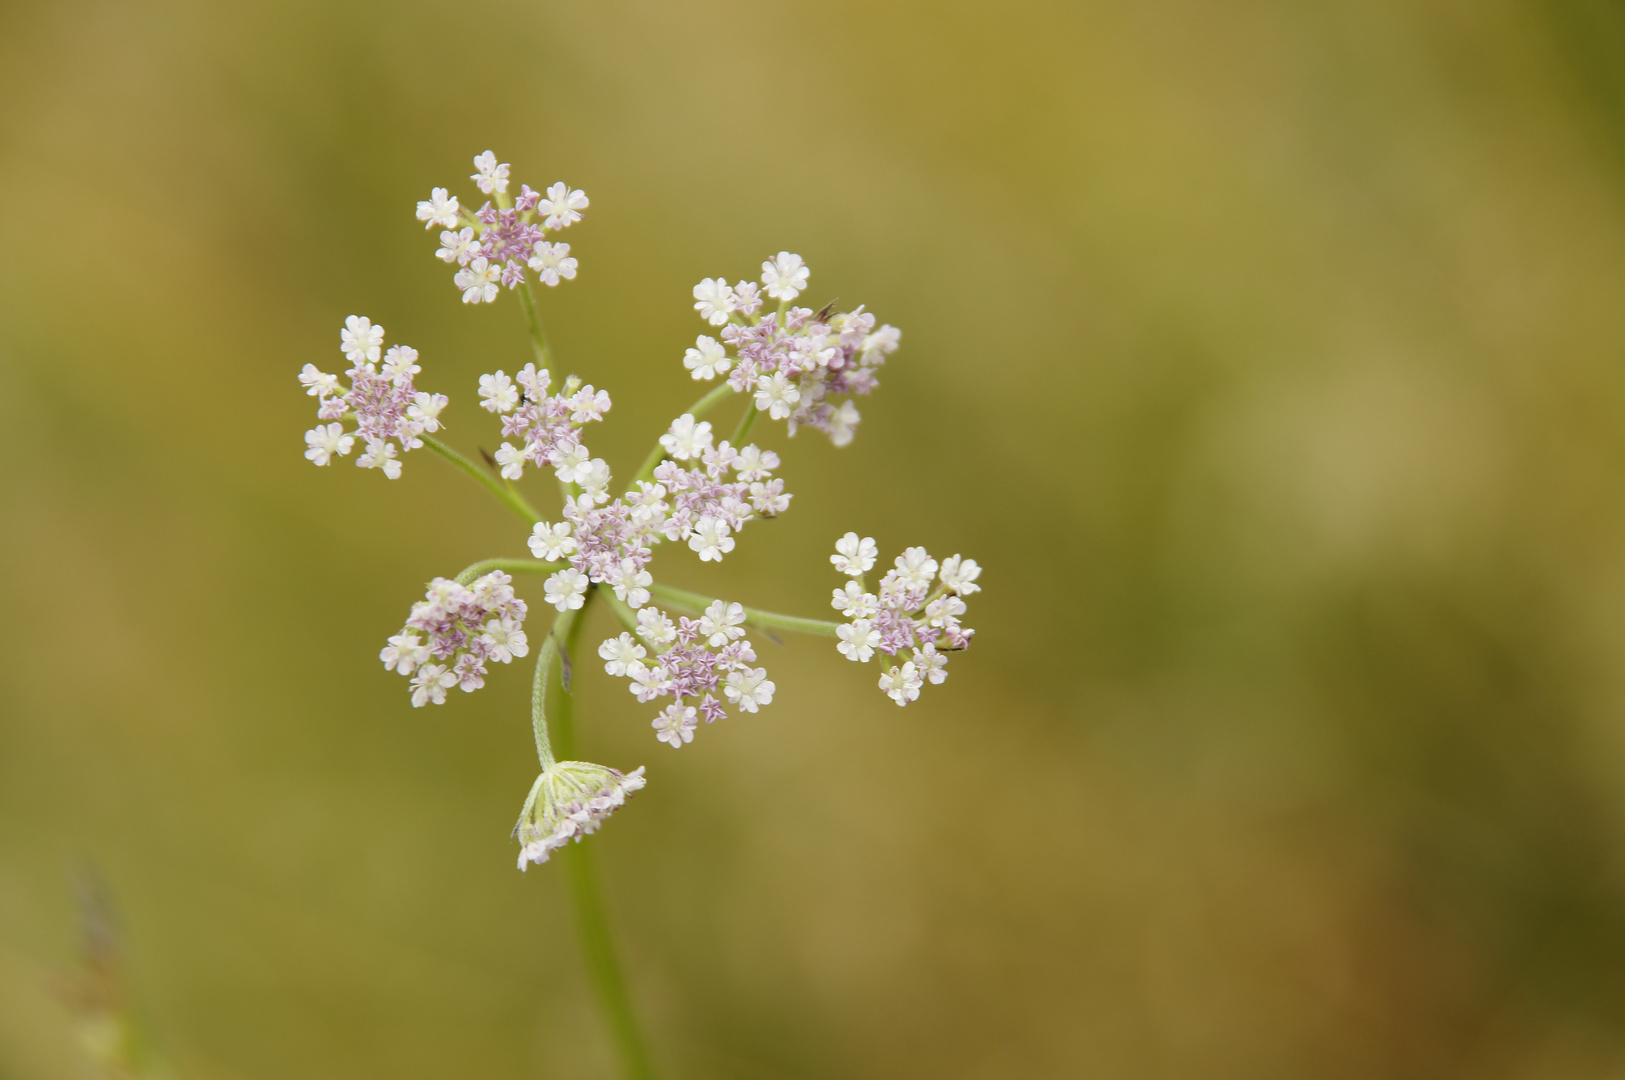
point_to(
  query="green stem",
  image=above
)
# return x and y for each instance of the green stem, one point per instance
(512, 566)
(545, 655)
(512, 499)
(696, 602)
(717, 394)
(598, 949)
(538, 339)
(623, 612)
(745, 424)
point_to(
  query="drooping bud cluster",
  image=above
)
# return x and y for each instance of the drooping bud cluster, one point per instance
(703, 503)
(907, 614)
(698, 662)
(389, 413)
(569, 800)
(495, 244)
(796, 362)
(453, 632)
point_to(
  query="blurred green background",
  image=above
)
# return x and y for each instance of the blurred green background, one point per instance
(1269, 356)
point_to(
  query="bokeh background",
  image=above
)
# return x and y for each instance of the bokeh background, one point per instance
(1267, 355)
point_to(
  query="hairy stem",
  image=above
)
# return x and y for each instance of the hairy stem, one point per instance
(717, 394)
(512, 499)
(512, 566)
(545, 655)
(696, 602)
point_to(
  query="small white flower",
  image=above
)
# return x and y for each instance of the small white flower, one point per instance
(707, 359)
(843, 424)
(854, 603)
(648, 683)
(381, 455)
(959, 575)
(324, 443)
(931, 664)
(458, 246)
(685, 439)
(722, 623)
(479, 281)
(587, 405)
(676, 724)
(784, 276)
(503, 640)
(562, 206)
(360, 339)
(511, 459)
(755, 464)
(318, 383)
(571, 461)
(749, 689)
(902, 684)
(620, 654)
(854, 557)
(916, 567)
(594, 480)
(404, 652)
(430, 685)
(550, 543)
(714, 300)
(776, 395)
(498, 393)
(711, 540)
(426, 408)
(566, 590)
(878, 345)
(438, 209)
(859, 639)
(944, 611)
(768, 497)
(656, 627)
(631, 584)
(401, 363)
(552, 262)
(489, 176)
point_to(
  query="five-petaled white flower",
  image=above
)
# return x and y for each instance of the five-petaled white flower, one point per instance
(401, 363)
(755, 464)
(784, 276)
(859, 639)
(959, 575)
(318, 383)
(504, 641)
(854, 603)
(631, 583)
(749, 689)
(381, 455)
(479, 281)
(854, 557)
(511, 459)
(711, 540)
(622, 655)
(562, 206)
(902, 684)
(458, 247)
(566, 590)
(404, 652)
(324, 443)
(438, 209)
(776, 395)
(676, 724)
(490, 176)
(430, 685)
(685, 439)
(722, 623)
(656, 627)
(550, 543)
(707, 359)
(426, 408)
(497, 393)
(714, 300)
(572, 462)
(931, 664)
(552, 262)
(360, 339)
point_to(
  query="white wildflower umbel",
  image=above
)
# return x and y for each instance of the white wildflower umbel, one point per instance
(453, 632)
(389, 413)
(569, 800)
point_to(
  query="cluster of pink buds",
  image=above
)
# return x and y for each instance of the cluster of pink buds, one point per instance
(569, 800)
(793, 361)
(494, 245)
(453, 632)
(389, 413)
(693, 660)
(907, 614)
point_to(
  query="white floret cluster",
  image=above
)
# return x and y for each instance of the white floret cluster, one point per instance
(494, 245)
(793, 361)
(569, 800)
(453, 632)
(389, 413)
(907, 613)
(697, 662)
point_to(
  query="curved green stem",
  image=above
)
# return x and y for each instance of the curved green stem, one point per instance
(512, 566)
(697, 602)
(745, 424)
(545, 655)
(512, 499)
(717, 394)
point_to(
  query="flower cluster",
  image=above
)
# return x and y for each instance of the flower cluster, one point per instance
(703, 495)
(906, 614)
(693, 660)
(547, 426)
(569, 800)
(493, 246)
(794, 361)
(453, 632)
(390, 413)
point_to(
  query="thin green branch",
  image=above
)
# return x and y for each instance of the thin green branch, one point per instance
(538, 339)
(512, 566)
(545, 655)
(628, 618)
(512, 499)
(697, 602)
(710, 401)
(745, 424)
(598, 950)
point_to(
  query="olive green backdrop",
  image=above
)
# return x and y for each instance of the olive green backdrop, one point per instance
(1269, 356)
